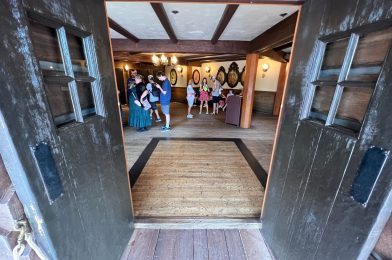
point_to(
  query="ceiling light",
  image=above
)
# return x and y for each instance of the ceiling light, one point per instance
(155, 60)
(164, 60)
(173, 60)
(265, 67)
(126, 67)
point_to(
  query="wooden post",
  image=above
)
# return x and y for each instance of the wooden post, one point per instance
(249, 89)
(280, 89)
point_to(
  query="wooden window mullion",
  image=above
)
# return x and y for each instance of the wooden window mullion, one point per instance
(62, 37)
(348, 58)
(317, 61)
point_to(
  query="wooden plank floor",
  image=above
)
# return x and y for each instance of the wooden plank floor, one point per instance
(259, 138)
(186, 178)
(197, 244)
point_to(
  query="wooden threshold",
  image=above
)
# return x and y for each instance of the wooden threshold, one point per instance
(197, 223)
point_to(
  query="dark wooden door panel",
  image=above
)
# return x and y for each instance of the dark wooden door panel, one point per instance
(308, 209)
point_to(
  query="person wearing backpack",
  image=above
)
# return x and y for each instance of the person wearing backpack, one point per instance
(154, 91)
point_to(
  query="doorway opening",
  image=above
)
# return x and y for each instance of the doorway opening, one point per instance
(207, 166)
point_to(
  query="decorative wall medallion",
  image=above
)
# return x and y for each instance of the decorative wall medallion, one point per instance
(243, 75)
(196, 77)
(221, 75)
(173, 77)
(233, 75)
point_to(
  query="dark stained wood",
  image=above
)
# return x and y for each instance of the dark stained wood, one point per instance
(280, 89)
(278, 56)
(264, 102)
(121, 30)
(162, 16)
(217, 248)
(174, 244)
(200, 246)
(143, 244)
(179, 94)
(275, 2)
(249, 89)
(182, 46)
(224, 21)
(234, 245)
(279, 34)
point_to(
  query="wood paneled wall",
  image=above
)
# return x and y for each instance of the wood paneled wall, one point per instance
(263, 100)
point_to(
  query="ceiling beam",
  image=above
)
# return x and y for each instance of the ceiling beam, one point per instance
(182, 46)
(278, 56)
(224, 21)
(162, 16)
(274, 2)
(278, 35)
(121, 30)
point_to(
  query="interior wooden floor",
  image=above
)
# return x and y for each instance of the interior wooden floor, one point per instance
(197, 244)
(200, 179)
(259, 138)
(194, 178)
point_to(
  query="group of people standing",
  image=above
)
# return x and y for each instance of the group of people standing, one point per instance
(142, 101)
(204, 96)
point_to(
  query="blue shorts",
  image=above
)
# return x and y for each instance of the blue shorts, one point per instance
(190, 101)
(165, 109)
(153, 105)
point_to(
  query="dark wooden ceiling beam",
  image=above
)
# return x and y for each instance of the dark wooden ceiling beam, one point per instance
(278, 56)
(275, 2)
(121, 30)
(182, 46)
(224, 21)
(162, 16)
(278, 35)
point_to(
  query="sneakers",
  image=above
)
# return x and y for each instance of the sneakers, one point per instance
(189, 116)
(165, 129)
(158, 120)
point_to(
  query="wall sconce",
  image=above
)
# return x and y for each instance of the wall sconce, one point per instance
(208, 70)
(179, 70)
(126, 67)
(265, 68)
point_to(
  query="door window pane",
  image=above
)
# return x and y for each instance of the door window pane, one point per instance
(86, 99)
(60, 103)
(79, 63)
(321, 102)
(369, 56)
(333, 60)
(47, 50)
(352, 108)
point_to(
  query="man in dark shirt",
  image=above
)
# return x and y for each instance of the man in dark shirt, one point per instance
(165, 99)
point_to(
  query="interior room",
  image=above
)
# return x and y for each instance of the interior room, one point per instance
(138, 129)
